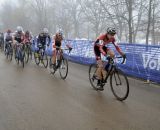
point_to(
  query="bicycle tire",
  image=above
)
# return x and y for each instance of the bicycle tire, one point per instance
(52, 68)
(26, 54)
(61, 67)
(92, 80)
(45, 60)
(22, 57)
(119, 75)
(10, 53)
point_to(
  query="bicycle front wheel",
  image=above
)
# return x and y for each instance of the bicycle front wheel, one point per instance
(52, 67)
(45, 60)
(36, 58)
(119, 85)
(63, 68)
(22, 58)
(26, 54)
(10, 53)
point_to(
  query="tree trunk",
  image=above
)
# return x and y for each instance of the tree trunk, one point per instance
(149, 22)
(153, 25)
(130, 20)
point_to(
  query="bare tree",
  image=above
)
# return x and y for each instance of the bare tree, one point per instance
(94, 14)
(135, 20)
(149, 21)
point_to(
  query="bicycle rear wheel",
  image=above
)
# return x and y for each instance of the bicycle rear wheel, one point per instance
(92, 73)
(119, 85)
(63, 68)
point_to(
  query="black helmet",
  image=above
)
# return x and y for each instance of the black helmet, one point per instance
(111, 31)
(27, 32)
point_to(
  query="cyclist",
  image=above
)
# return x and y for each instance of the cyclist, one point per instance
(43, 39)
(18, 37)
(100, 47)
(8, 37)
(57, 42)
(27, 37)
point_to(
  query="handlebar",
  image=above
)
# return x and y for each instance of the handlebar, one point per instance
(118, 57)
(68, 48)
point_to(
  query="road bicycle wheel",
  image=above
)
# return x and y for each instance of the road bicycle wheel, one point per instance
(17, 56)
(52, 67)
(6, 51)
(26, 54)
(119, 84)
(36, 58)
(92, 76)
(22, 57)
(63, 68)
(10, 53)
(30, 52)
(45, 60)
(22, 62)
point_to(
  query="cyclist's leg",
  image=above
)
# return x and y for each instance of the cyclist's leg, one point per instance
(111, 53)
(54, 56)
(104, 72)
(99, 62)
(55, 52)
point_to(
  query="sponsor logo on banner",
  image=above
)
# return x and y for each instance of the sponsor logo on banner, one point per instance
(151, 61)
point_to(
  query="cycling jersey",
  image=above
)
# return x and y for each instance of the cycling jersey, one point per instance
(19, 37)
(57, 41)
(42, 39)
(27, 38)
(8, 37)
(100, 45)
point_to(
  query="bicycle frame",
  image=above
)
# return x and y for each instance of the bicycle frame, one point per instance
(59, 55)
(109, 72)
(112, 68)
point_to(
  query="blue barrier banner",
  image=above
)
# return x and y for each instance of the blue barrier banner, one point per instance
(142, 61)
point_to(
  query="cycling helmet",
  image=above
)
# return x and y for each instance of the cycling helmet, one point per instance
(60, 32)
(19, 29)
(111, 31)
(9, 31)
(45, 30)
(27, 32)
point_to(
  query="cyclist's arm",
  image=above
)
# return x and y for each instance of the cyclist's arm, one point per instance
(118, 48)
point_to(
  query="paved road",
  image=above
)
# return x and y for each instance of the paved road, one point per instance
(32, 99)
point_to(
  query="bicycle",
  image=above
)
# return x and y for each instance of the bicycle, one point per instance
(8, 50)
(117, 79)
(41, 56)
(61, 63)
(1, 44)
(20, 53)
(28, 51)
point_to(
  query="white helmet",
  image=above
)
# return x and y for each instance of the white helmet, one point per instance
(19, 29)
(45, 30)
(60, 32)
